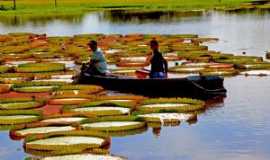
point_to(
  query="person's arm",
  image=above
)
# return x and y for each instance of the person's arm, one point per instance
(148, 59)
(166, 67)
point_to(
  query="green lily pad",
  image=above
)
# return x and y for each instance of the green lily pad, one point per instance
(42, 130)
(100, 110)
(114, 125)
(170, 105)
(12, 117)
(21, 105)
(65, 142)
(84, 157)
(39, 67)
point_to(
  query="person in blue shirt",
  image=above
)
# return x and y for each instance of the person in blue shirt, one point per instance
(97, 64)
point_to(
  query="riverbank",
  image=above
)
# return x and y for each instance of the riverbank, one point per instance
(67, 7)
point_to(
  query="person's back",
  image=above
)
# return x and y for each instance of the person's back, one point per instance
(159, 66)
(98, 65)
(157, 62)
(100, 61)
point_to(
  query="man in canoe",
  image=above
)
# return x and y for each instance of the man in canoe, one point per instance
(97, 64)
(159, 65)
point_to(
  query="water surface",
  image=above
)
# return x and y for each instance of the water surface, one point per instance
(238, 32)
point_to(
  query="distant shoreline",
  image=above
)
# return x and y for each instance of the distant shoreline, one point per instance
(72, 7)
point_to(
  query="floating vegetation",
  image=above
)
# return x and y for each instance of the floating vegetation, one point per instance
(252, 66)
(4, 88)
(84, 157)
(58, 143)
(36, 87)
(76, 119)
(181, 69)
(71, 142)
(89, 88)
(68, 101)
(21, 105)
(127, 103)
(4, 69)
(170, 105)
(256, 73)
(63, 120)
(12, 117)
(40, 67)
(219, 72)
(113, 126)
(99, 110)
(41, 130)
(168, 117)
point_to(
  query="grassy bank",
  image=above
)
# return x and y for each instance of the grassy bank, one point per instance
(81, 6)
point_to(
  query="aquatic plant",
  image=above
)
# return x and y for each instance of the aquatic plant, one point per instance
(4, 69)
(111, 126)
(84, 157)
(23, 132)
(219, 72)
(170, 105)
(70, 142)
(91, 89)
(127, 103)
(4, 88)
(97, 110)
(40, 67)
(21, 104)
(12, 117)
(252, 66)
(36, 87)
(167, 117)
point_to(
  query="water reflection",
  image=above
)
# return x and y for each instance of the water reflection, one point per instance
(137, 16)
(237, 32)
(16, 21)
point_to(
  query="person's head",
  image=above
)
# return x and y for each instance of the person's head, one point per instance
(154, 44)
(92, 45)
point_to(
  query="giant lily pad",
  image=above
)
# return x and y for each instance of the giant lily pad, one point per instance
(57, 143)
(40, 67)
(36, 87)
(4, 88)
(42, 130)
(170, 105)
(89, 88)
(114, 125)
(4, 69)
(84, 157)
(100, 110)
(256, 73)
(68, 101)
(63, 120)
(21, 105)
(10, 117)
(167, 117)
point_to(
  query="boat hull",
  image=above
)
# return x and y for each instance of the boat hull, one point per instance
(196, 87)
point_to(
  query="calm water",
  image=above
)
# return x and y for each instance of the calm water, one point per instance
(238, 129)
(248, 32)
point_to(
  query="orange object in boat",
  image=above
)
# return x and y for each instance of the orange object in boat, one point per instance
(142, 73)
